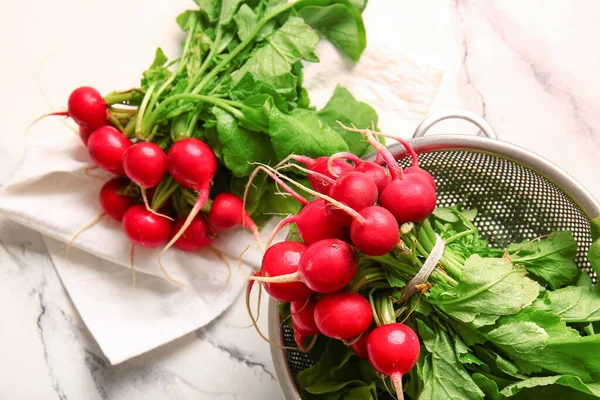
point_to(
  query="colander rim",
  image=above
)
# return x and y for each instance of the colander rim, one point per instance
(444, 142)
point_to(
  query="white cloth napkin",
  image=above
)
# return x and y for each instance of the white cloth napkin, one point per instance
(50, 193)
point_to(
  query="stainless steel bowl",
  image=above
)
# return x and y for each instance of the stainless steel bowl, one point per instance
(519, 195)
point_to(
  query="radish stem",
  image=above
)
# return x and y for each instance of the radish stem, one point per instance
(353, 213)
(319, 175)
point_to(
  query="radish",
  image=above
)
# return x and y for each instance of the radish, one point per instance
(227, 212)
(145, 228)
(343, 315)
(313, 224)
(106, 147)
(378, 174)
(359, 347)
(326, 266)
(414, 168)
(84, 134)
(354, 189)
(393, 350)
(197, 235)
(113, 203)
(320, 165)
(192, 163)
(377, 233)
(374, 233)
(87, 107)
(145, 164)
(282, 259)
(303, 320)
(410, 198)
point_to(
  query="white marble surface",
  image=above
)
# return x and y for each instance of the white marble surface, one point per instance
(531, 68)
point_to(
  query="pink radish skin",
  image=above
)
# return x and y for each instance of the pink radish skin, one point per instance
(227, 212)
(354, 189)
(320, 165)
(145, 228)
(343, 315)
(113, 203)
(198, 234)
(326, 266)
(411, 199)
(380, 175)
(192, 163)
(303, 316)
(87, 107)
(393, 350)
(377, 234)
(303, 320)
(281, 259)
(359, 347)
(106, 147)
(313, 224)
(84, 134)
(145, 164)
(366, 228)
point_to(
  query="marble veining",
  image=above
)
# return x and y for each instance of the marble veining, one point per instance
(529, 67)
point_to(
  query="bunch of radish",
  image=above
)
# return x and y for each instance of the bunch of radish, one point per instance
(357, 210)
(140, 168)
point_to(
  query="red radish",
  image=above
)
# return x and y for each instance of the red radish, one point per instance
(87, 107)
(326, 266)
(303, 315)
(378, 174)
(197, 236)
(343, 315)
(303, 320)
(393, 350)
(377, 233)
(359, 347)
(415, 168)
(145, 163)
(106, 147)
(320, 165)
(354, 189)
(85, 133)
(227, 212)
(192, 163)
(410, 198)
(313, 224)
(113, 203)
(281, 259)
(145, 228)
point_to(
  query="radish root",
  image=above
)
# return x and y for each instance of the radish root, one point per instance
(220, 255)
(202, 198)
(343, 155)
(131, 264)
(353, 213)
(145, 198)
(87, 170)
(319, 175)
(79, 232)
(395, 169)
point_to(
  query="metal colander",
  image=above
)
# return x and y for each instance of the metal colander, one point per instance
(518, 195)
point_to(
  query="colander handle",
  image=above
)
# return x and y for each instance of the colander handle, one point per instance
(462, 114)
